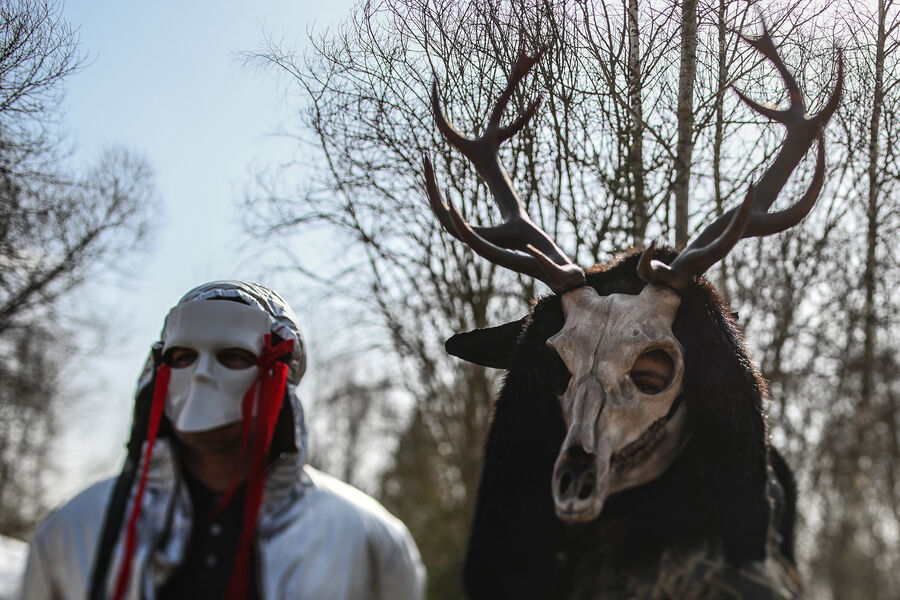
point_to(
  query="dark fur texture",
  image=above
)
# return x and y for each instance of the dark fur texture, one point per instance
(714, 492)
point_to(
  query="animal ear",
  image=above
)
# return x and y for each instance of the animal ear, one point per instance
(489, 347)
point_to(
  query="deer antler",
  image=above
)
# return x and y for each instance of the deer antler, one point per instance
(504, 244)
(751, 218)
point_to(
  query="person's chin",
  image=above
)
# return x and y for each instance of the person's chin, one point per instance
(221, 438)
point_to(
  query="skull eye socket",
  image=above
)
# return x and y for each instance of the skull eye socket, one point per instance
(652, 371)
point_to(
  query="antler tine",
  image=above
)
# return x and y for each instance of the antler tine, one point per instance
(696, 260)
(453, 222)
(513, 128)
(752, 218)
(503, 244)
(438, 206)
(521, 67)
(766, 223)
(503, 257)
(765, 46)
(456, 139)
(824, 115)
(482, 152)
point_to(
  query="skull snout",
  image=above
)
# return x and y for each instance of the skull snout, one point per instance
(577, 475)
(576, 492)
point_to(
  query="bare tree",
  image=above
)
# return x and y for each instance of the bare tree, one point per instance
(37, 51)
(636, 150)
(59, 226)
(29, 397)
(57, 233)
(350, 416)
(816, 349)
(856, 472)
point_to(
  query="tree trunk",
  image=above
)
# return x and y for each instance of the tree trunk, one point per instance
(867, 384)
(719, 135)
(636, 133)
(685, 149)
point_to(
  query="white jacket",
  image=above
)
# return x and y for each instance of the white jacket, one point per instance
(318, 538)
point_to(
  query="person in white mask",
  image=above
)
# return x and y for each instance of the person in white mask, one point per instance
(215, 499)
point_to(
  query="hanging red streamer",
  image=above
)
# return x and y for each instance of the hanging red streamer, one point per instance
(160, 389)
(269, 393)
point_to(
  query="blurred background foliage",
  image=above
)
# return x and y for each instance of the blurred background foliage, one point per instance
(62, 224)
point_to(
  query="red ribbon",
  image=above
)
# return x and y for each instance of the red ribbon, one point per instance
(268, 390)
(160, 389)
(266, 360)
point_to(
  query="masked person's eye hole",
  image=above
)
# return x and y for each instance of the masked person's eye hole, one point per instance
(652, 371)
(236, 358)
(179, 358)
(230, 358)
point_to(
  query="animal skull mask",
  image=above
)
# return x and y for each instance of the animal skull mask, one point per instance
(206, 393)
(618, 436)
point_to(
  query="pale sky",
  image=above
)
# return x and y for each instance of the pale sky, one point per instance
(165, 79)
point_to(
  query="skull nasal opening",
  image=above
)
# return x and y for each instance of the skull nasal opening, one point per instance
(577, 477)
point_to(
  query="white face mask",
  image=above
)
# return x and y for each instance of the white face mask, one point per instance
(206, 394)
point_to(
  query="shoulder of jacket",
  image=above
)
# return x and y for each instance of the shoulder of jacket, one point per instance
(83, 512)
(331, 496)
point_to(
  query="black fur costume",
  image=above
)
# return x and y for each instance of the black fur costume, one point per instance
(705, 529)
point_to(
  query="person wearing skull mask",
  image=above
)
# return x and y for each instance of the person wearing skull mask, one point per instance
(214, 499)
